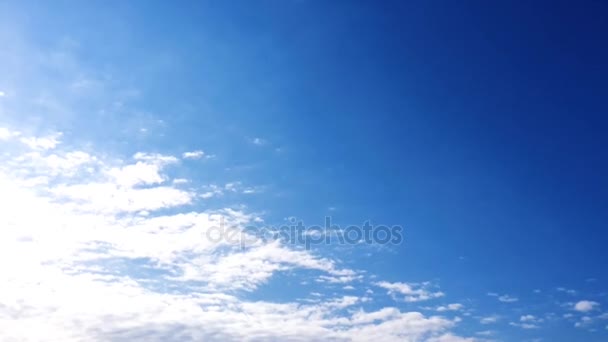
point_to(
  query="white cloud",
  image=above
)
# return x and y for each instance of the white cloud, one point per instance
(193, 154)
(527, 322)
(530, 318)
(114, 198)
(118, 310)
(42, 143)
(584, 322)
(370, 317)
(155, 158)
(258, 141)
(585, 305)
(450, 307)
(450, 338)
(411, 292)
(81, 270)
(504, 298)
(246, 270)
(524, 325)
(136, 174)
(507, 299)
(489, 319)
(211, 190)
(6, 134)
(339, 279)
(565, 290)
(69, 162)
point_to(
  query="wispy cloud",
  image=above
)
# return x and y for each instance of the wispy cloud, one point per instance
(120, 277)
(450, 307)
(410, 292)
(489, 319)
(527, 322)
(259, 141)
(504, 298)
(567, 291)
(198, 154)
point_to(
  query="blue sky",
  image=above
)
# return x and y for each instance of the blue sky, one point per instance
(128, 129)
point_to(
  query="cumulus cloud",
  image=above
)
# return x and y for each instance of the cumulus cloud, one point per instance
(6, 134)
(42, 143)
(585, 305)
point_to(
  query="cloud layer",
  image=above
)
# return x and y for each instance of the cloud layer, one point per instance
(99, 248)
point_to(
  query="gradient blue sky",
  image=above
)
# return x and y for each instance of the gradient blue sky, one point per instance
(479, 127)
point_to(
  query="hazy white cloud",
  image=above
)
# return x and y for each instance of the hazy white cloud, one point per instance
(504, 298)
(527, 322)
(155, 158)
(246, 270)
(370, 317)
(410, 292)
(450, 338)
(530, 318)
(585, 305)
(259, 141)
(489, 319)
(508, 299)
(193, 154)
(42, 143)
(339, 279)
(450, 307)
(137, 174)
(585, 321)
(6, 134)
(565, 290)
(524, 325)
